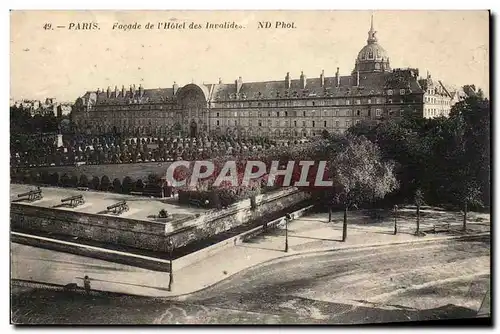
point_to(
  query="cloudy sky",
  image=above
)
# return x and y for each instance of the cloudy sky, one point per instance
(62, 63)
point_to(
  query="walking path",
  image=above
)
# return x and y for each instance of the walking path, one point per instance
(306, 235)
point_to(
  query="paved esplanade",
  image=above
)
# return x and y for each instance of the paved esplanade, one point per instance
(306, 234)
(437, 280)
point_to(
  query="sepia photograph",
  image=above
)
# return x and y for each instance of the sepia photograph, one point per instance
(183, 167)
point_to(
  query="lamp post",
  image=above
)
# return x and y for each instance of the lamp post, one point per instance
(395, 219)
(170, 249)
(287, 218)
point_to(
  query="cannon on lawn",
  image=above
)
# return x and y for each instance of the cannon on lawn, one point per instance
(32, 195)
(74, 201)
(118, 208)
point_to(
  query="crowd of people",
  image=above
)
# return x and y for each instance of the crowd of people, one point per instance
(109, 149)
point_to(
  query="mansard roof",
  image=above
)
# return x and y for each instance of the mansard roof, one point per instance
(375, 83)
(156, 95)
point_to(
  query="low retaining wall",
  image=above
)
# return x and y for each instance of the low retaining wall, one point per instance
(90, 251)
(236, 215)
(103, 228)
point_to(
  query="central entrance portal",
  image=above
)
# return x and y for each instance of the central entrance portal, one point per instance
(193, 113)
(193, 133)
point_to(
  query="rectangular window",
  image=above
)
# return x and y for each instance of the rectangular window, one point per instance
(294, 123)
(369, 101)
(303, 123)
(314, 124)
(358, 101)
(358, 121)
(260, 123)
(218, 123)
(347, 123)
(324, 124)
(217, 115)
(402, 92)
(378, 112)
(348, 102)
(277, 114)
(337, 124)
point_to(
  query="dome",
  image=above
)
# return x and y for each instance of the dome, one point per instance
(372, 57)
(372, 51)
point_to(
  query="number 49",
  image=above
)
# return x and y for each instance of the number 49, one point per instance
(47, 26)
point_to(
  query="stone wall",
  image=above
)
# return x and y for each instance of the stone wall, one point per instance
(103, 228)
(236, 215)
(148, 235)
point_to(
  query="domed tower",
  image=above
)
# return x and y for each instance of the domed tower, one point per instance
(372, 57)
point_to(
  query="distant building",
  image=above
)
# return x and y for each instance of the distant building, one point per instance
(287, 108)
(49, 107)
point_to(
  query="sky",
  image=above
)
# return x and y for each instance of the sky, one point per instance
(452, 45)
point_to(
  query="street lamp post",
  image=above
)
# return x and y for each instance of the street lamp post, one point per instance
(395, 219)
(170, 249)
(287, 218)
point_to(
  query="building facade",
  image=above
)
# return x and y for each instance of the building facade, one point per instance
(287, 108)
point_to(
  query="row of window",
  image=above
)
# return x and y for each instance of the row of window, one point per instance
(295, 123)
(291, 103)
(434, 100)
(304, 113)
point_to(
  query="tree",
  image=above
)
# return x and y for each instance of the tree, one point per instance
(127, 185)
(359, 174)
(95, 183)
(73, 182)
(54, 179)
(139, 186)
(84, 181)
(419, 201)
(65, 180)
(117, 185)
(470, 194)
(105, 183)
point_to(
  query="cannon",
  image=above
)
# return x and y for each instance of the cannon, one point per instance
(33, 195)
(118, 208)
(74, 201)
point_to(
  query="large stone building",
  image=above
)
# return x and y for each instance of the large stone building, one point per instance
(372, 92)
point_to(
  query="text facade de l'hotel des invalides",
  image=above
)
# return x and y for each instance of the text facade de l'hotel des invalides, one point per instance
(288, 108)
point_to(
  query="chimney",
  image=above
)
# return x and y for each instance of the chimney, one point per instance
(322, 78)
(337, 77)
(116, 91)
(303, 80)
(288, 81)
(220, 81)
(123, 91)
(108, 92)
(141, 90)
(238, 84)
(175, 88)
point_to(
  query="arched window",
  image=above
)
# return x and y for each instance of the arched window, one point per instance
(370, 54)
